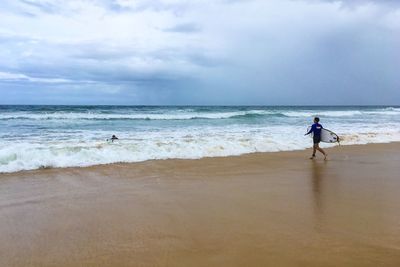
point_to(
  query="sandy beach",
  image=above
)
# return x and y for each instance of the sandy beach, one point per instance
(264, 209)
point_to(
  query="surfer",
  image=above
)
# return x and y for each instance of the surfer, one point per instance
(113, 138)
(316, 130)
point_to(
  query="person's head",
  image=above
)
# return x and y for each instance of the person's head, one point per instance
(316, 119)
(113, 136)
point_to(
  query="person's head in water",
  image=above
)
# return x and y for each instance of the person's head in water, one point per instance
(113, 138)
(316, 120)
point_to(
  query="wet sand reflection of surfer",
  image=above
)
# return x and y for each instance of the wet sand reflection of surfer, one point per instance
(317, 179)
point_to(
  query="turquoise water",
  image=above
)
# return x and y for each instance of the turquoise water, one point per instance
(62, 136)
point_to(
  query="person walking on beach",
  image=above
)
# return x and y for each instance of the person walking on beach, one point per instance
(316, 130)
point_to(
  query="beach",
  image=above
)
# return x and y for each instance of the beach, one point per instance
(260, 209)
(176, 133)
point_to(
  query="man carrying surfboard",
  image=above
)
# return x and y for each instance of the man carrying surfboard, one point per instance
(316, 129)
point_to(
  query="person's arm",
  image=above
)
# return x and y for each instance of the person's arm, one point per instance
(311, 129)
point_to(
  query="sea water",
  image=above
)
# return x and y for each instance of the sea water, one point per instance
(35, 137)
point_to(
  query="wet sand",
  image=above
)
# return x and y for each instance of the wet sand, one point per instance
(266, 209)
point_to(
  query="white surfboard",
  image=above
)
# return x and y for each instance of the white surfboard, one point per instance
(327, 136)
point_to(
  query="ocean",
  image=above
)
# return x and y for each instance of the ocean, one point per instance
(34, 137)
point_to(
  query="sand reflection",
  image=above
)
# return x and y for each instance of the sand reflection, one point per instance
(319, 194)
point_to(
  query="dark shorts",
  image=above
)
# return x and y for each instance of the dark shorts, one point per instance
(317, 139)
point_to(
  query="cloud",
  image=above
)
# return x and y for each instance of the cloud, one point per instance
(201, 52)
(363, 2)
(15, 77)
(184, 28)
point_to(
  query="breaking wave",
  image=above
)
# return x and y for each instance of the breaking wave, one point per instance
(76, 137)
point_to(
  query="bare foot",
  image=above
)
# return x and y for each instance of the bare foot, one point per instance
(326, 157)
(312, 157)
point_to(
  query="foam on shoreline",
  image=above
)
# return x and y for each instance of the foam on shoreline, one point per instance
(54, 137)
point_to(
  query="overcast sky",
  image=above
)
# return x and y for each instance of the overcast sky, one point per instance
(273, 52)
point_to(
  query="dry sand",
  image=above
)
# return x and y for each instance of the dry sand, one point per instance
(266, 209)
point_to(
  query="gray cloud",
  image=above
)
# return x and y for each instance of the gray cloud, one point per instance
(184, 28)
(199, 52)
(42, 6)
(358, 3)
(378, 2)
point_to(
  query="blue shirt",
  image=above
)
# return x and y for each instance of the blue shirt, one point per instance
(316, 129)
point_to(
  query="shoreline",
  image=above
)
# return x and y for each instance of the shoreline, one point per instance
(263, 209)
(105, 165)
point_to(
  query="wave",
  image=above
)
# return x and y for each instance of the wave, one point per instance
(39, 139)
(343, 113)
(193, 114)
(29, 156)
(140, 116)
(36, 154)
(391, 108)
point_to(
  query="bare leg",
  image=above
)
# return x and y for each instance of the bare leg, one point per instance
(314, 151)
(322, 151)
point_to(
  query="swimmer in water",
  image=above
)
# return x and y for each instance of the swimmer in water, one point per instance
(113, 138)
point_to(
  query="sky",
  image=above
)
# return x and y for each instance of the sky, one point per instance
(200, 52)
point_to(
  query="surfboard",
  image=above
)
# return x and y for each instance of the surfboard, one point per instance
(327, 136)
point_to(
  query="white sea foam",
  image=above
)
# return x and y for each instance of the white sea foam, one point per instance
(68, 137)
(87, 148)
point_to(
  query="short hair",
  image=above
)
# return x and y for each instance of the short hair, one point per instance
(316, 119)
